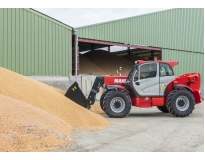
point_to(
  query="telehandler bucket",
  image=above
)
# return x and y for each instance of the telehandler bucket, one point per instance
(75, 94)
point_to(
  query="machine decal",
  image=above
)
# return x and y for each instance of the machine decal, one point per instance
(163, 87)
(119, 80)
(74, 88)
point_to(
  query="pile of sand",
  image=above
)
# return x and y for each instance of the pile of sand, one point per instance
(108, 61)
(46, 98)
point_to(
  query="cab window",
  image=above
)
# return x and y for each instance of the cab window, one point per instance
(148, 71)
(133, 72)
(165, 70)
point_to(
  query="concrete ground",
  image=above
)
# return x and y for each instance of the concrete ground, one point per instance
(145, 130)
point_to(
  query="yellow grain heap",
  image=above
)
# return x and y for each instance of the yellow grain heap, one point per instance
(24, 127)
(48, 99)
(88, 67)
(94, 108)
(132, 58)
(108, 61)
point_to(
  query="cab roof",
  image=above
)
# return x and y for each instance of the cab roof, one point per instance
(171, 63)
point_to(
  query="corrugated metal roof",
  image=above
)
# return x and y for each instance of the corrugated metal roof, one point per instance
(47, 17)
(125, 18)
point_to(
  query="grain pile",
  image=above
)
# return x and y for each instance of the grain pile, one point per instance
(132, 58)
(109, 62)
(27, 128)
(48, 99)
(88, 67)
(96, 108)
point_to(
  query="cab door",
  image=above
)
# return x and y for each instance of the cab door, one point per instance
(144, 85)
(166, 76)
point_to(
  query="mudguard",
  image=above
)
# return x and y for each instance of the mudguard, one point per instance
(196, 93)
(112, 87)
(179, 86)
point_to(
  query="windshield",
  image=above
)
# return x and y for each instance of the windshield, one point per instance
(134, 67)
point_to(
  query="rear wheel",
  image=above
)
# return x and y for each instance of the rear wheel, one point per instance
(163, 109)
(116, 104)
(101, 99)
(180, 103)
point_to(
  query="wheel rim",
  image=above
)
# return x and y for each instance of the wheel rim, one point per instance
(117, 104)
(182, 103)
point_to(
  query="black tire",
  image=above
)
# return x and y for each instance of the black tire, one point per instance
(163, 109)
(180, 103)
(101, 99)
(116, 104)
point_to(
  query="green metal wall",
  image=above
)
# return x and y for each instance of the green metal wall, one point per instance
(188, 62)
(180, 29)
(179, 32)
(34, 44)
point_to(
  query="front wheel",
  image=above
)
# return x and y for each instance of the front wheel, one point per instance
(163, 109)
(116, 104)
(180, 103)
(102, 98)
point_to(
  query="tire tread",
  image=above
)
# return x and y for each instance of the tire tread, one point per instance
(106, 104)
(171, 107)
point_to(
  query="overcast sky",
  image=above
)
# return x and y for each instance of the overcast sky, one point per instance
(85, 16)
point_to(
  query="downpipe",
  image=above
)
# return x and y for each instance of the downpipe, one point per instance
(76, 53)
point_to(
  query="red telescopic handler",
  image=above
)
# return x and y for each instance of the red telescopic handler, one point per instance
(148, 84)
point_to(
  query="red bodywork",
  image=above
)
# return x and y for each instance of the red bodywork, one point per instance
(189, 80)
(171, 63)
(115, 80)
(147, 102)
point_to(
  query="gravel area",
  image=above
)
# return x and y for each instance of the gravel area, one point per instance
(145, 130)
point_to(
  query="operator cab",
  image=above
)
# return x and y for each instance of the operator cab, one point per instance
(149, 78)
